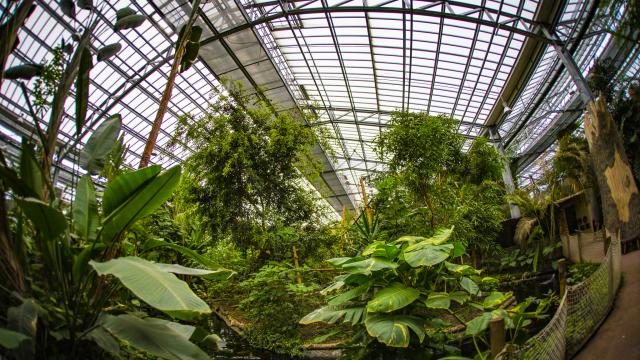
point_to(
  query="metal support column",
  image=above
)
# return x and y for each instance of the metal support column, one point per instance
(507, 177)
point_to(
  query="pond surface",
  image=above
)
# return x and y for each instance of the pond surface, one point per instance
(236, 347)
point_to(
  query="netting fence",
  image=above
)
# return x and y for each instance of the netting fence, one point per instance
(582, 309)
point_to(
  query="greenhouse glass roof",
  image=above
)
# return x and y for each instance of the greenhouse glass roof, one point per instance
(353, 62)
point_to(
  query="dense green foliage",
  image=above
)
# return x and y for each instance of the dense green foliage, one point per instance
(94, 273)
(407, 293)
(243, 175)
(432, 182)
(69, 285)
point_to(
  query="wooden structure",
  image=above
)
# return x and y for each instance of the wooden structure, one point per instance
(580, 226)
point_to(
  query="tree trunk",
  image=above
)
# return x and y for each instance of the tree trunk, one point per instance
(618, 189)
(166, 95)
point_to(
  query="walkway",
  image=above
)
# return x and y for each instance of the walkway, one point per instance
(619, 336)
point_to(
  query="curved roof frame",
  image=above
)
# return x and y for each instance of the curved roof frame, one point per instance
(293, 74)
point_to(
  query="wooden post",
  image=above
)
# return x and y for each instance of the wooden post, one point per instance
(579, 241)
(296, 265)
(562, 276)
(497, 336)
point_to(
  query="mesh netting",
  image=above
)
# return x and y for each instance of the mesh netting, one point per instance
(588, 304)
(583, 307)
(549, 343)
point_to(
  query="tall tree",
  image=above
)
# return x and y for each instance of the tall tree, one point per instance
(187, 47)
(243, 174)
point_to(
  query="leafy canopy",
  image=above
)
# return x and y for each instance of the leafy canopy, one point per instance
(244, 172)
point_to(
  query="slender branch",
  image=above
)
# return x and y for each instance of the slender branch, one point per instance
(166, 96)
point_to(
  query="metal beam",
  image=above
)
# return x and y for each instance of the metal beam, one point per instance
(450, 10)
(570, 64)
(571, 48)
(471, 13)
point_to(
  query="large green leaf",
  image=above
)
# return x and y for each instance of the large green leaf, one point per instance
(183, 330)
(82, 89)
(155, 336)
(68, 8)
(124, 186)
(124, 12)
(158, 288)
(459, 249)
(10, 339)
(350, 294)
(23, 71)
(479, 324)
(339, 261)
(438, 300)
(100, 143)
(409, 239)
(48, 221)
(23, 319)
(461, 269)
(192, 254)
(30, 172)
(337, 285)
(425, 254)
(192, 47)
(217, 274)
(441, 236)
(394, 297)
(470, 285)
(12, 180)
(393, 330)
(367, 266)
(331, 314)
(149, 197)
(380, 249)
(495, 299)
(108, 51)
(81, 260)
(459, 296)
(105, 340)
(85, 210)
(129, 22)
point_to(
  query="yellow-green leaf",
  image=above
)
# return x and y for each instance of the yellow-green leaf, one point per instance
(394, 297)
(158, 288)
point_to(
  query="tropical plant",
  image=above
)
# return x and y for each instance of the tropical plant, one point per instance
(422, 150)
(478, 218)
(517, 320)
(532, 229)
(433, 182)
(626, 28)
(399, 292)
(274, 301)
(72, 64)
(50, 247)
(244, 175)
(187, 48)
(13, 16)
(622, 95)
(570, 168)
(65, 302)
